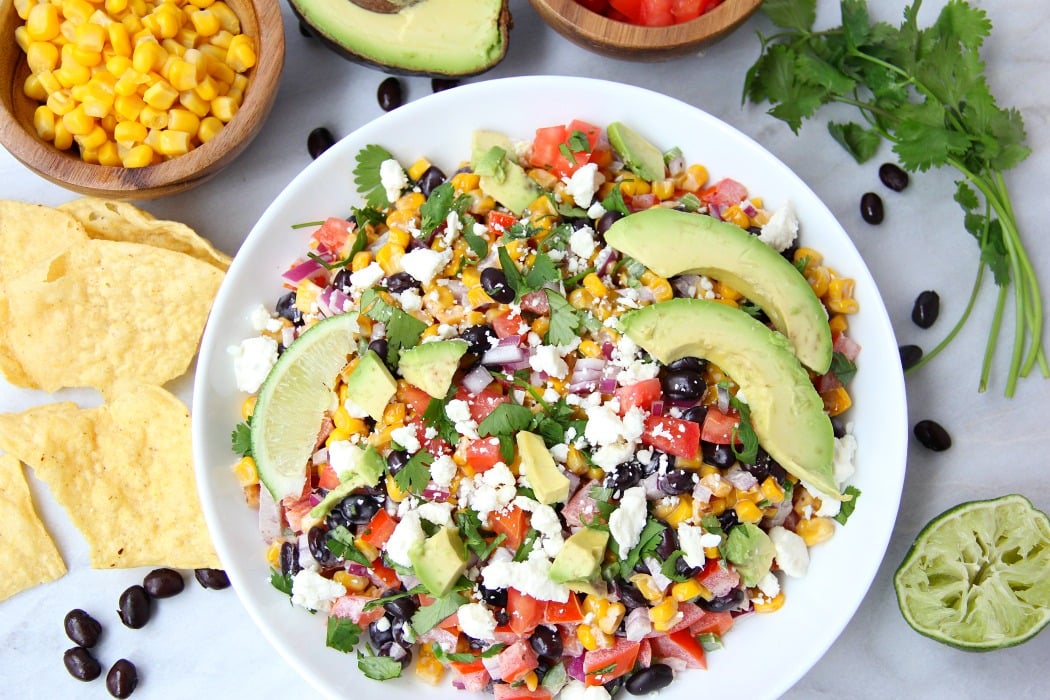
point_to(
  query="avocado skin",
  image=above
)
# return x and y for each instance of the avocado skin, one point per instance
(787, 413)
(505, 22)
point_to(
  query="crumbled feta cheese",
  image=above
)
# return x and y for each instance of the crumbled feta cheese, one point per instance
(406, 437)
(690, 540)
(262, 320)
(367, 277)
(313, 591)
(581, 242)
(792, 555)
(410, 299)
(393, 178)
(353, 409)
(453, 227)
(595, 211)
(406, 535)
(769, 585)
(343, 456)
(424, 264)
(477, 621)
(781, 229)
(604, 427)
(493, 489)
(633, 424)
(252, 361)
(546, 359)
(435, 512)
(442, 470)
(627, 521)
(546, 522)
(845, 453)
(531, 577)
(582, 185)
(560, 453)
(576, 690)
(458, 411)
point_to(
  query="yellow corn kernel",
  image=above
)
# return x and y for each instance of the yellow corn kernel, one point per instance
(128, 107)
(748, 512)
(227, 17)
(248, 407)
(393, 491)
(632, 187)
(42, 55)
(593, 283)
(204, 21)
(208, 88)
(592, 638)
(34, 88)
(575, 462)
(813, 531)
(44, 123)
(22, 7)
(589, 348)
(416, 170)
(76, 121)
(836, 401)
(193, 102)
(181, 74)
(465, 182)
(838, 323)
(647, 587)
(609, 620)
(183, 120)
(772, 491)
(664, 615)
(427, 667)
(676, 513)
(699, 173)
(595, 473)
(246, 472)
(148, 55)
(688, 590)
(201, 3)
(399, 237)
(840, 296)
(819, 279)
(154, 118)
(209, 127)
(351, 582)
(767, 605)
(360, 261)
(138, 156)
(532, 680)
(812, 257)
(661, 289)
(160, 95)
(664, 189)
(43, 22)
(736, 215)
(93, 139)
(273, 554)
(581, 298)
(224, 107)
(394, 413)
(370, 552)
(240, 56)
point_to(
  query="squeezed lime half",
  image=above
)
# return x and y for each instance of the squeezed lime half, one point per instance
(293, 400)
(978, 575)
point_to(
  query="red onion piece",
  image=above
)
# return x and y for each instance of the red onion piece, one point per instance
(607, 385)
(477, 379)
(657, 408)
(575, 669)
(504, 354)
(301, 271)
(435, 493)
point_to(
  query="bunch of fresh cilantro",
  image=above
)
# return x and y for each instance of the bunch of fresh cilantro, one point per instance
(924, 91)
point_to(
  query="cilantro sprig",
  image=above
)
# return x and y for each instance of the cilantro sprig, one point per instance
(415, 475)
(241, 438)
(924, 91)
(366, 175)
(402, 329)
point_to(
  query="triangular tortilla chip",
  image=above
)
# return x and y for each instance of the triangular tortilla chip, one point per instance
(28, 555)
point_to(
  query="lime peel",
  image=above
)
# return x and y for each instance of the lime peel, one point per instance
(978, 575)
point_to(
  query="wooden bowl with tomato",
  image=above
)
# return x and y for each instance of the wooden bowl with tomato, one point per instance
(644, 30)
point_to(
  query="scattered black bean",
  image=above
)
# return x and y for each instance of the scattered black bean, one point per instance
(212, 578)
(649, 680)
(910, 355)
(402, 608)
(497, 597)
(668, 543)
(381, 631)
(546, 641)
(286, 308)
(82, 628)
(717, 455)
(893, 176)
(630, 596)
(623, 477)
(927, 307)
(289, 559)
(683, 385)
(728, 520)
(381, 347)
(390, 94)
(696, 414)
(479, 338)
(730, 601)
(691, 364)
(134, 607)
(765, 466)
(163, 583)
(608, 219)
(494, 282)
(317, 539)
(358, 508)
(675, 481)
(122, 679)
(319, 140)
(441, 84)
(401, 282)
(932, 435)
(81, 664)
(838, 426)
(871, 208)
(396, 461)
(431, 178)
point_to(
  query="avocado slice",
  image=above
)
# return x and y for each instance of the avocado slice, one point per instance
(751, 551)
(431, 366)
(580, 558)
(370, 384)
(439, 561)
(641, 157)
(366, 471)
(787, 413)
(671, 242)
(500, 175)
(546, 480)
(430, 37)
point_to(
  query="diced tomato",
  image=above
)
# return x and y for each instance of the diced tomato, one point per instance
(639, 202)
(525, 612)
(691, 613)
(581, 507)
(826, 382)
(515, 662)
(512, 523)
(724, 193)
(352, 607)
(416, 399)
(631, 9)
(436, 445)
(603, 665)
(468, 666)
(548, 152)
(645, 654)
(332, 234)
(379, 529)
(383, 575)
(718, 579)
(846, 345)
(680, 645)
(326, 477)
(685, 10)
(508, 324)
(656, 13)
(567, 612)
(712, 623)
(483, 454)
(536, 303)
(718, 426)
(506, 691)
(641, 394)
(672, 435)
(481, 405)
(498, 221)
(473, 675)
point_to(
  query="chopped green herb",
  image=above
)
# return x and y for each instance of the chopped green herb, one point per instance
(478, 245)
(505, 420)
(464, 658)
(402, 329)
(744, 433)
(340, 542)
(282, 582)
(847, 507)
(436, 418)
(470, 528)
(614, 202)
(366, 175)
(378, 668)
(842, 367)
(435, 210)
(241, 438)
(415, 475)
(430, 616)
(342, 635)
(527, 543)
(690, 202)
(564, 320)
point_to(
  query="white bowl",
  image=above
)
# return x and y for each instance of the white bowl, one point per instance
(766, 652)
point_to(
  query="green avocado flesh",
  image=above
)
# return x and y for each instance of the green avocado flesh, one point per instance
(430, 37)
(672, 243)
(786, 411)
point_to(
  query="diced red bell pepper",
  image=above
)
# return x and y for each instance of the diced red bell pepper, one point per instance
(563, 613)
(326, 477)
(512, 523)
(508, 324)
(416, 399)
(712, 623)
(383, 575)
(352, 607)
(498, 222)
(675, 436)
(603, 665)
(482, 404)
(536, 303)
(718, 579)
(378, 529)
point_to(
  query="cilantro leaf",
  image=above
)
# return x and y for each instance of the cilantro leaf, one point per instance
(505, 420)
(578, 142)
(241, 439)
(342, 634)
(465, 657)
(430, 616)
(378, 668)
(614, 202)
(469, 525)
(647, 543)
(510, 270)
(340, 542)
(543, 270)
(441, 202)
(366, 175)
(861, 143)
(436, 418)
(744, 433)
(478, 245)
(282, 582)
(415, 475)
(842, 367)
(847, 507)
(402, 329)
(527, 543)
(564, 320)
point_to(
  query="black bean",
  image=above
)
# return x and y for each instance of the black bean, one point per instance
(431, 178)
(649, 680)
(317, 539)
(546, 641)
(441, 84)
(927, 307)
(396, 461)
(134, 607)
(122, 679)
(675, 481)
(289, 558)
(910, 355)
(494, 282)
(613, 687)
(381, 631)
(82, 628)
(728, 520)
(696, 414)
(624, 476)
(657, 460)
(893, 176)
(163, 583)
(668, 543)
(494, 596)
(401, 282)
(682, 568)
(765, 466)
(729, 601)
(212, 578)
(932, 435)
(286, 308)
(390, 94)
(318, 141)
(81, 664)
(630, 596)
(838, 426)
(717, 455)
(381, 347)
(402, 608)
(608, 219)
(683, 385)
(358, 508)
(479, 338)
(871, 208)
(691, 364)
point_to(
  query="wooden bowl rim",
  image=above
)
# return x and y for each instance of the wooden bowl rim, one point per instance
(575, 20)
(176, 174)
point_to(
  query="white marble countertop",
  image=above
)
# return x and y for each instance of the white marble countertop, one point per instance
(203, 642)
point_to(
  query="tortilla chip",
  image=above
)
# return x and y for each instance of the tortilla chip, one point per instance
(107, 310)
(120, 221)
(123, 472)
(28, 555)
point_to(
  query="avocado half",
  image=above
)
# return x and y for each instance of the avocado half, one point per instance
(439, 38)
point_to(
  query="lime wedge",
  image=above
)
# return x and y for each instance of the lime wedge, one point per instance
(978, 575)
(293, 400)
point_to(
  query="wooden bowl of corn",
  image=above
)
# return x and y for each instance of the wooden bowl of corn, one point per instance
(135, 99)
